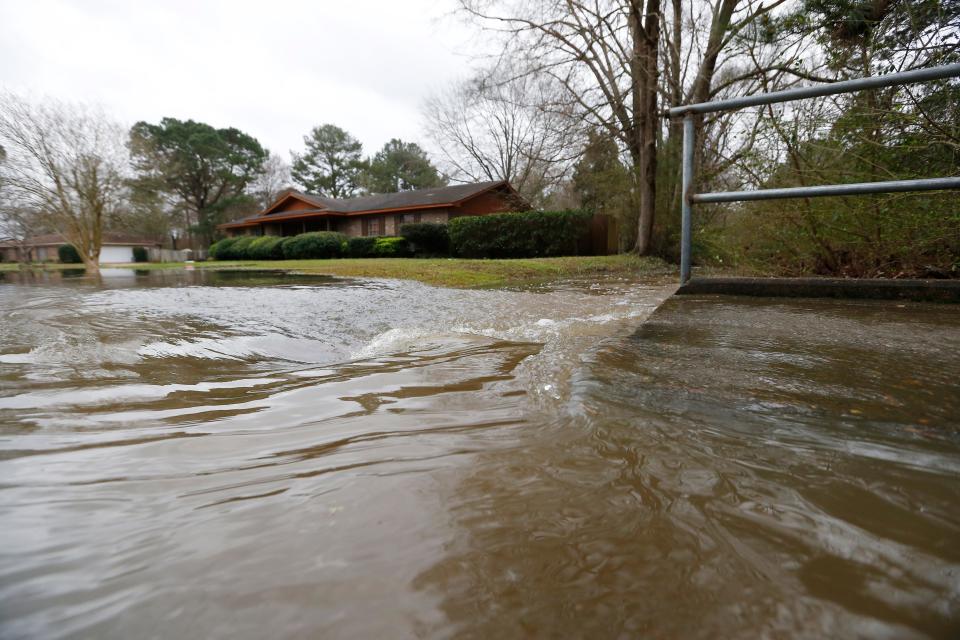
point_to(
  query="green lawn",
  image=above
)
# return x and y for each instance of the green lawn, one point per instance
(447, 272)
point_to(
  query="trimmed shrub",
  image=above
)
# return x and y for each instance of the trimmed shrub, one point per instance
(518, 235)
(221, 250)
(240, 250)
(391, 247)
(317, 244)
(283, 244)
(428, 238)
(266, 248)
(68, 254)
(361, 247)
(140, 254)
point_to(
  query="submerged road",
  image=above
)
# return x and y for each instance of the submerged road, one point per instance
(243, 455)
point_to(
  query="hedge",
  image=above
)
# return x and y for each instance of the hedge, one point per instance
(240, 250)
(361, 247)
(140, 254)
(391, 247)
(427, 238)
(518, 235)
(316, 244)
(266, 248)
(233, 248)
(503, 235)
(220, 249)
(68, 254)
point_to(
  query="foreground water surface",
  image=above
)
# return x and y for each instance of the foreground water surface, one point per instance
(214, 454)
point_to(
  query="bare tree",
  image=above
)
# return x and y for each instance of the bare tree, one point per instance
(604, 55)
(68, 163)
(618, 60)
(274, 179)
(17, 225)
(491, 128)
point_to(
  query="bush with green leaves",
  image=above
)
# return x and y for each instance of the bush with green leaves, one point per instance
(240, 250)
(68, 254)
(317, 244)
(223, 249)
(530, 234)
(219, 248)
(140, 254)
(266, 248)
(427, 238)
(361, 247)
(391, 247)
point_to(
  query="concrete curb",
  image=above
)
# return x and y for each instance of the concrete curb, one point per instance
(868, 289)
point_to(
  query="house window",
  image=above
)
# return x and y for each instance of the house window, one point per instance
(373, 226)
(404, 218)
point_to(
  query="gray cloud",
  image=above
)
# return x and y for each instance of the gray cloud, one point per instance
(273, 69)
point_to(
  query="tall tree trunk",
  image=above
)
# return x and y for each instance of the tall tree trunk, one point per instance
(87, 246)
(672, 147)
(91, 265)
(645, 30)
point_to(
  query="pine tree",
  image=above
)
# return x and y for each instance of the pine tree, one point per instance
(332, 164)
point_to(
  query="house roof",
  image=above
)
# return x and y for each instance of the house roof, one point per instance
(385, 202)
(438, 196)
(108, 238)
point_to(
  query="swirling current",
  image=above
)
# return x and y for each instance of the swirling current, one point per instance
(254, 454)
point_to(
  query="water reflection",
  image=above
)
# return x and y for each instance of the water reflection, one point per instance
(112, 277)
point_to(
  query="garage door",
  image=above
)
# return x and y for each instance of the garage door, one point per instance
(116, 254)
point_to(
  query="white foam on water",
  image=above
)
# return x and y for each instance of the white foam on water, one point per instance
(81, 349)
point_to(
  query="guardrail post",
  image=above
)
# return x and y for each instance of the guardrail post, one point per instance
(686, 242)
(827, 89)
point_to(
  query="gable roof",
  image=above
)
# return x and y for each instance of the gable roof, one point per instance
(320, 202)
(436, 197)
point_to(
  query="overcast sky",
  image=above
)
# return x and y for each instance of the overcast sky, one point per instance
(272, 68)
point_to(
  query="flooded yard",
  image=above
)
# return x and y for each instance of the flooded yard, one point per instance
(228, 454)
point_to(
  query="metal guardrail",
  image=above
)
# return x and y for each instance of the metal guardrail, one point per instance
(847, 86)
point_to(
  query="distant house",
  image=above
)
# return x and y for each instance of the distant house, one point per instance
(115, 248)
(377, 215)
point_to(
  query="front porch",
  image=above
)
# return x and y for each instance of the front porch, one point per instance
(296, 227)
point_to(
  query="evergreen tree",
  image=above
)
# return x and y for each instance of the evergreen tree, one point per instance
(867, 37)
(604, 184)
(332, 164)
(207, 169)
(401, 166)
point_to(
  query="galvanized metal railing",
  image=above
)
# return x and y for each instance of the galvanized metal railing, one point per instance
(847, 86)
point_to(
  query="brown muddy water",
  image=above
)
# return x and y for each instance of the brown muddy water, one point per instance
(200, 454)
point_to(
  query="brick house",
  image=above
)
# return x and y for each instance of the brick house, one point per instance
(377, 215)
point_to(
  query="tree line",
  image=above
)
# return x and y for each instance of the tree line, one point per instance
(569, 106)
(68, 168)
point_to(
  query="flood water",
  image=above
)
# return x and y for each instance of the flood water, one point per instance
(224, 455)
